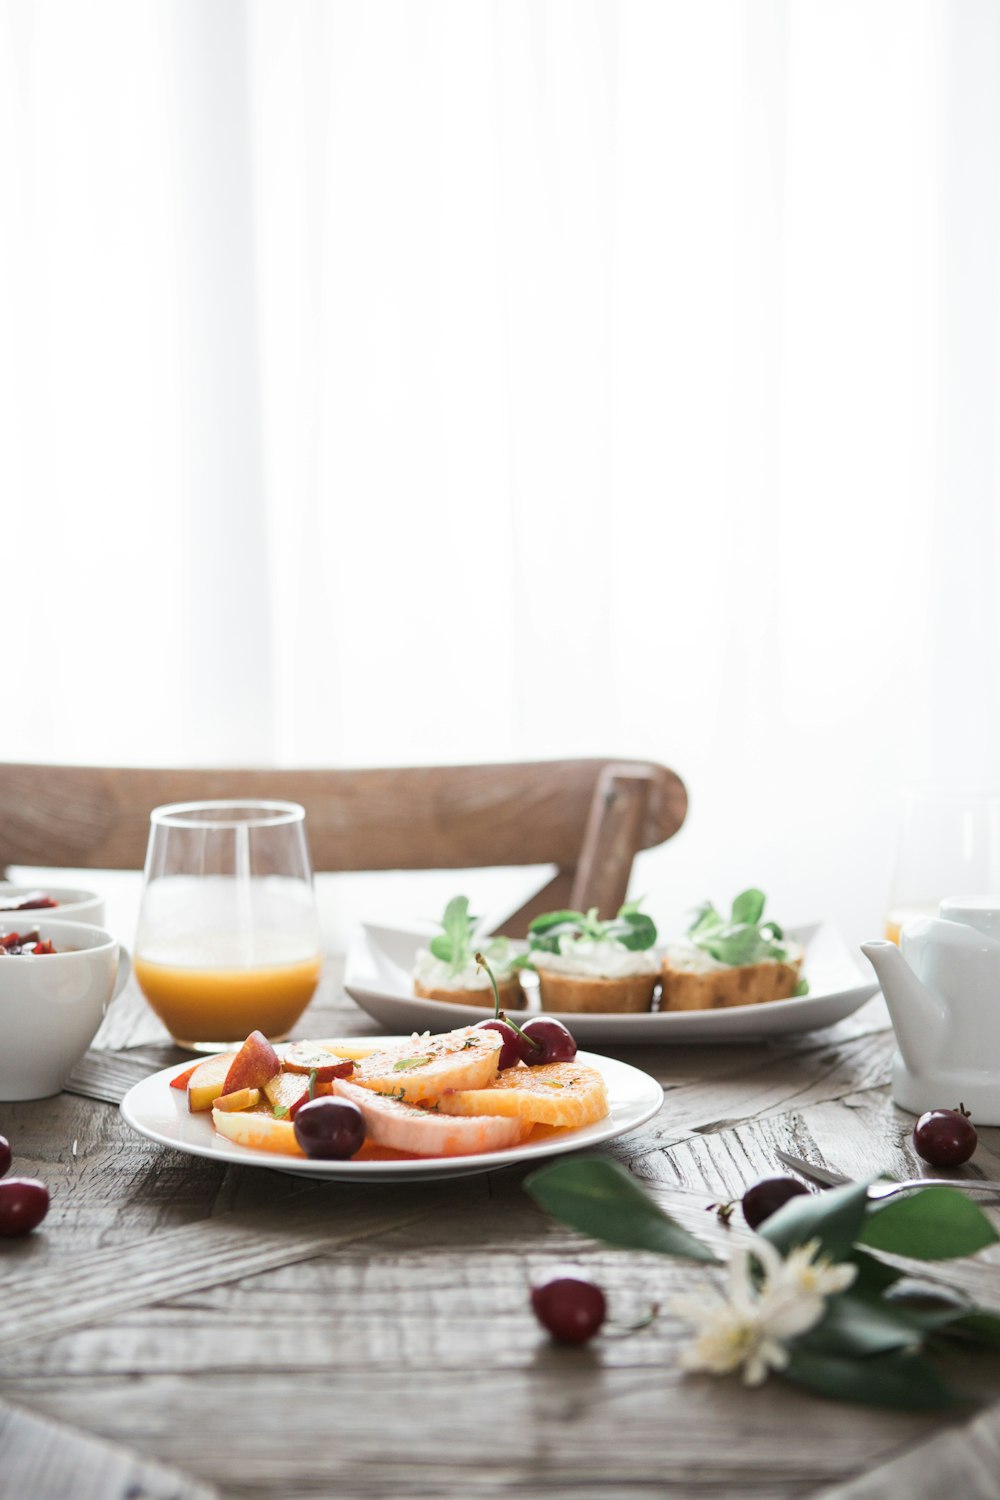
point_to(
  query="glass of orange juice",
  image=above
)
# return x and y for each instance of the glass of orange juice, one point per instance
(949, 845)
(228, 938)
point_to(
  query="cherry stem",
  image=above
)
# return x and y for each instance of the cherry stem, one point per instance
(522, 1034)
(481, 961)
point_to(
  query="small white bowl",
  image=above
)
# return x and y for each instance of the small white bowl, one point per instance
(51, 1004)
(72, 905)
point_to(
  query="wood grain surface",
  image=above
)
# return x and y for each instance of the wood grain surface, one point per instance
(258, 1336)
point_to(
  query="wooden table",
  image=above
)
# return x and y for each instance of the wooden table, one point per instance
(182, 1329)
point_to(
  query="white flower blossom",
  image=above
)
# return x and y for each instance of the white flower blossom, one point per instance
(751, 1327)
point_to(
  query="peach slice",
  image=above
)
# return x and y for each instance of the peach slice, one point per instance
(208, 1081)
(289, 1091)
(242, 1099)
(258, 1130)
(305, 1057)
(181, 1081)
(253, 1065)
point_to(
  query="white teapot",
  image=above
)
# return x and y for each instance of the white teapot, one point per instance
(942, 986)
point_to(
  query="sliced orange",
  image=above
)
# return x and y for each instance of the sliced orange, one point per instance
(425, 1067)
(566, 1094)
(258, 1129)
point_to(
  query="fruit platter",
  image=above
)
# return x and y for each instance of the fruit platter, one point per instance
(393, 1108)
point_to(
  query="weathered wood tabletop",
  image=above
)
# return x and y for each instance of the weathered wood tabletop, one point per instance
(180, 1328)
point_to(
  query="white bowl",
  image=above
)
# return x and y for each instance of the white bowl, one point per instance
(51, 1005)
(73, 905)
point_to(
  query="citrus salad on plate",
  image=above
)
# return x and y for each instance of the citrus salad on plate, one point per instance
(474, 1090)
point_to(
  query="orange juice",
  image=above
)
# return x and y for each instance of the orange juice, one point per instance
(217, 1006)
(900, 915)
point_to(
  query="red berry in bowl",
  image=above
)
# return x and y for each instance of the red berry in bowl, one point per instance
(4, 1156)
(548, 1041)
(24, 1202)
(510, 1052)
(945, 1137)
(568, 1306)
(764, 1198)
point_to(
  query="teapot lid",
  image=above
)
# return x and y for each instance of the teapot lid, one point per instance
(980, 912)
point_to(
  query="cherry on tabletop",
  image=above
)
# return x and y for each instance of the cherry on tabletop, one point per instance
(945, 1137)
(555, 1040)
(329, 1129)
(511, 1049)
(568, 1306)
(764, 1198)
(4, 1156)
(24, 1202)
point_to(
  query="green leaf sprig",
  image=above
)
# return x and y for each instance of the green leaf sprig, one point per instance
(745, 939)
(456, 944)
(632, 928)
(878, 1339)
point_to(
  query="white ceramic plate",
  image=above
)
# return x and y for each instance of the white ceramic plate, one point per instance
(380, 962)
(159, 1112)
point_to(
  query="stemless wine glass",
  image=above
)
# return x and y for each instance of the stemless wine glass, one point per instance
(228, 938)
(949, 845)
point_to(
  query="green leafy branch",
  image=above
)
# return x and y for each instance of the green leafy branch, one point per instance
(874, 1341)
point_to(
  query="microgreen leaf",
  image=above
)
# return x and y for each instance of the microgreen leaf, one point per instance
(600, 1198)
(406, 1063)
(631, 927)
(935, 1223)
(748, 907)
(745, 939)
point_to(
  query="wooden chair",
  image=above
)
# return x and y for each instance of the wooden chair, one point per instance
(589, 818)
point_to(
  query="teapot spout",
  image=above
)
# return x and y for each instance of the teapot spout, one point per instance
(918, 1019)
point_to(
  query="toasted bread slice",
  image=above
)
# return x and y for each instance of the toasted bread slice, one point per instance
(572, 992)
(510, 991)
(716, 989)
(567, 1094)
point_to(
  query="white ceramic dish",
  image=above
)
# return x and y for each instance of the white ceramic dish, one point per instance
(51, 1005)
(381, 958)
(73, 905)
(160, 1113)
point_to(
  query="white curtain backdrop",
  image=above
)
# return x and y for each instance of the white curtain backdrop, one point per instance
(428, 382)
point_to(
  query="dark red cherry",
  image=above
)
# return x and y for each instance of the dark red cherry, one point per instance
(329, 1129)
(548, 1041)
(4, 1156)
(764, 1198)
(569, 1306)
(945, 1137)
(510, 1052)
(24, 1202)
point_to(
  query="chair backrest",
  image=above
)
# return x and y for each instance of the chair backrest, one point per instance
(587, 817)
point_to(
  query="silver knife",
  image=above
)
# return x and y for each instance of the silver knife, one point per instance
(826, 1178)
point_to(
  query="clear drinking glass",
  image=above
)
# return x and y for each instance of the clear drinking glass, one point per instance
(949, 845)
(228, 939)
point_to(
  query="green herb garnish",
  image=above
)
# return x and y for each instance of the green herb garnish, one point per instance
(745, 938)
(312, 1082)
(280, 1112)
(457, 943)
(405, 1063)
(632, 928)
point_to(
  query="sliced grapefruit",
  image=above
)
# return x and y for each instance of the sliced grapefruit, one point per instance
(425, 1067)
